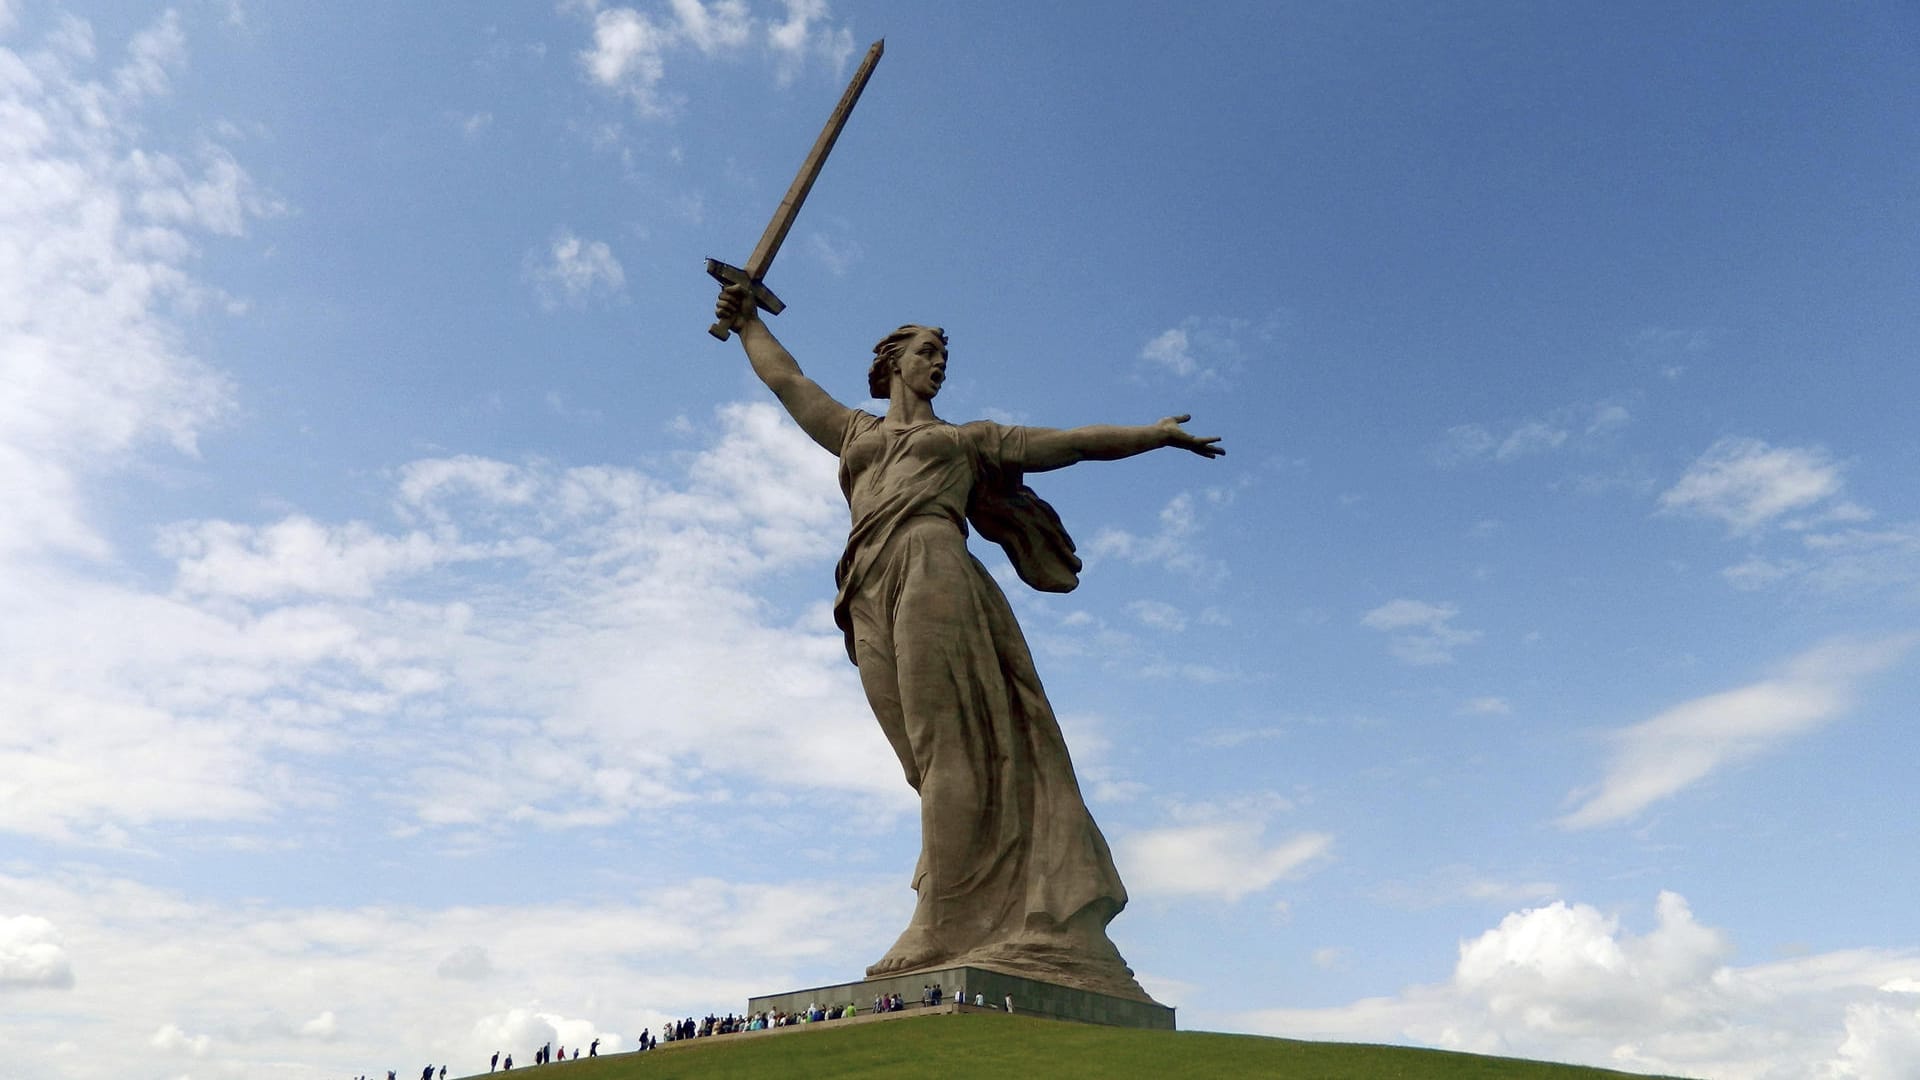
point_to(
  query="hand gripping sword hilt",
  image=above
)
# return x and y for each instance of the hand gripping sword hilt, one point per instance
(763, 297)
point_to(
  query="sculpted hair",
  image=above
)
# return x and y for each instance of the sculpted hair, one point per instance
(879, 373)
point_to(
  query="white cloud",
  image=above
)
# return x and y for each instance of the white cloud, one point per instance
(426, 483)
(838, 252)
(1174, 545)
(336, 987)
(1216, 849)
(1206, 349)
(1460, 883)
(1419, 633)
(1227, 859)
(801, 35)
(1486, 706)
(1170, 351)
(96, 234)
(1661, 756)
(32, 955)
(1840, 562)
(628, 54)
(1532, 437)
(1158, 614)
(468, 963)
(1608, 416)
(1883, 1039)
(171, 1038)
(571, 270)
(324, 1026)
(292, 557)
(1747, 483)
(721, 24)
(1565, 982)
(605, 588)
(1465, 444)
(1758, 572)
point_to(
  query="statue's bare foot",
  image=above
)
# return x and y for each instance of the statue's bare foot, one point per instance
(915, 949)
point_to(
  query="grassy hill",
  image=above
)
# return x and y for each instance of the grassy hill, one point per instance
(992, 1046)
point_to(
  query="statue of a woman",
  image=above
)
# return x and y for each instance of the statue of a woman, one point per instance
(1013, 873)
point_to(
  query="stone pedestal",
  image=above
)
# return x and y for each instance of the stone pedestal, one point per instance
(1030, 997)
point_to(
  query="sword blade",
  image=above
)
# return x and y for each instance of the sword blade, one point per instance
(776, 233)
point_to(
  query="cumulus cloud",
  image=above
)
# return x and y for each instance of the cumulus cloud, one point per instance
(1568, 982)
(629, 50)
(569, 271)
(720, 24)
(1418, 632)
(627, 55)
(1666, 753)
(1882, 1039)
(324, 1026)
(32, 955)
(1746, 483)
(803, 34)
(172, 1038)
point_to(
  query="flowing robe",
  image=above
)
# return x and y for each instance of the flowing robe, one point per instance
(1008, 849)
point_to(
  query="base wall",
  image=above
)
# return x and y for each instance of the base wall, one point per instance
(1030, 997)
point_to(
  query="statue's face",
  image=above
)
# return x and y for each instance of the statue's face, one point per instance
(922, 364)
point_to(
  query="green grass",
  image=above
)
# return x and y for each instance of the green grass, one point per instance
(989, 1046)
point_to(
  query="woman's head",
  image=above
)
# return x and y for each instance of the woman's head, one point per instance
(892, 348)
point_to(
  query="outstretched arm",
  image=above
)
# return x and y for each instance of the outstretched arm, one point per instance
(1054, 448)
(817, 413)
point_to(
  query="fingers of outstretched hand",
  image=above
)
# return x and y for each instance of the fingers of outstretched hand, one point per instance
(1208, 446)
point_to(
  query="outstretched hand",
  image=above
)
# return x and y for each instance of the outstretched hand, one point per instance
(1175, 435)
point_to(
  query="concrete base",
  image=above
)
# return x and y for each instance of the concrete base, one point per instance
(1030, 997)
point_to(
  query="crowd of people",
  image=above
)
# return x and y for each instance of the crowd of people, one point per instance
(931, 994)
(547, 1053)
(759, 1021)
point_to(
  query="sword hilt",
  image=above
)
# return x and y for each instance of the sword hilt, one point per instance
(763, 297)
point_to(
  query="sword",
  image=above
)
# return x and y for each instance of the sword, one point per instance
(762, 258)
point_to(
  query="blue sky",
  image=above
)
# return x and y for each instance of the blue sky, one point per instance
(414, 630)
